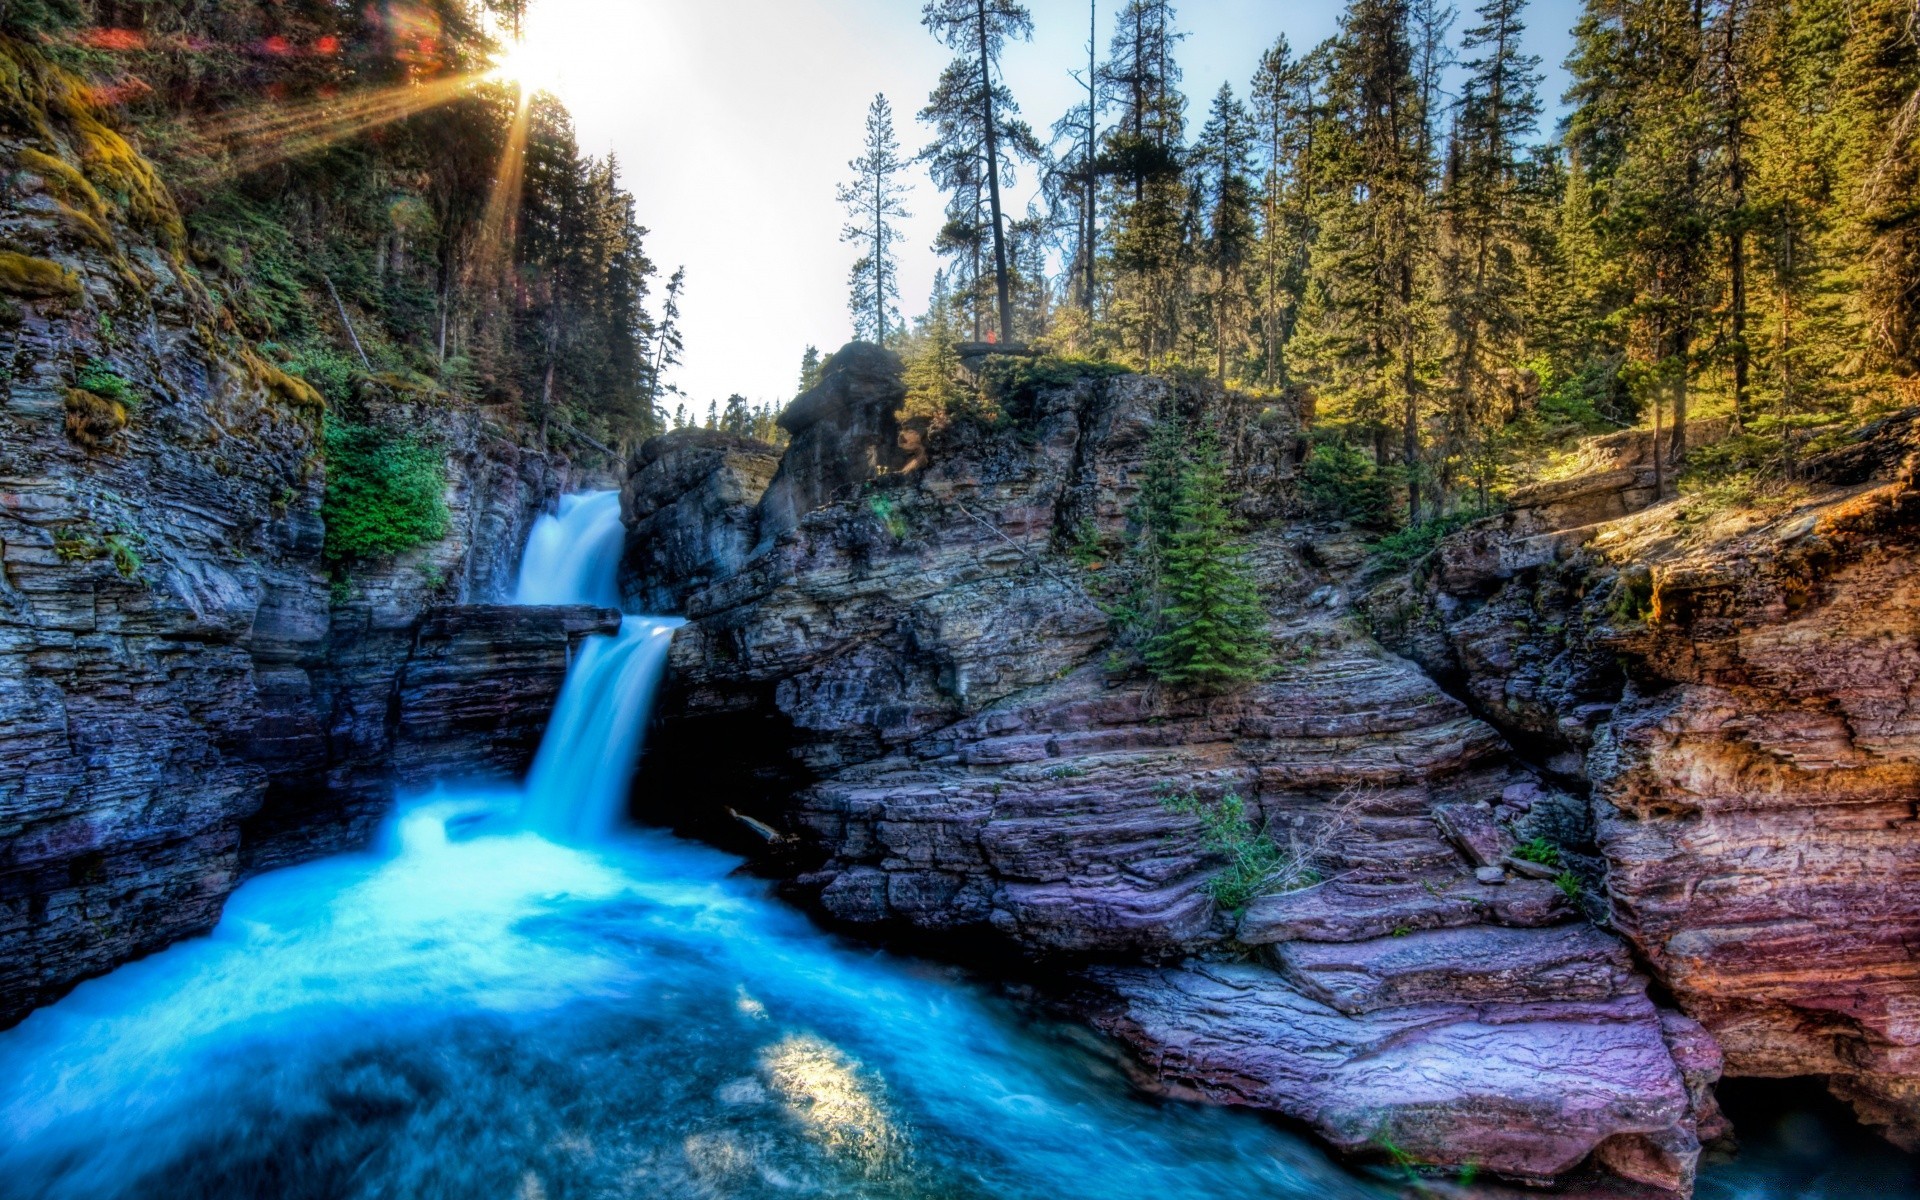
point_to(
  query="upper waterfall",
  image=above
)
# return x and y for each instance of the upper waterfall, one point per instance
(573, 556)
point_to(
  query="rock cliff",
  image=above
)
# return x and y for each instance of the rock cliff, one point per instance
(1737, 687)
(181, 699)
(962, 750)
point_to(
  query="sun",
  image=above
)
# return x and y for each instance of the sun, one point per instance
(530, 65)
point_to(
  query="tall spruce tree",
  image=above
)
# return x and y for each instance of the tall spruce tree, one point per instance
(1486, 215)
(1144, 159)
(875, 200)
(1223, 162)
(981, 108)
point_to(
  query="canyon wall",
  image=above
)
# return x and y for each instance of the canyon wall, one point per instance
(904, 683)
(183, 696)
(1738, 688)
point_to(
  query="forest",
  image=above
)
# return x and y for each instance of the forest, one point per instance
(372, 209)
(1725, 226)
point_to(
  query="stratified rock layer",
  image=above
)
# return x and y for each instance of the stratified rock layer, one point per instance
(181, 699)
(967, 753)
(1740, 689)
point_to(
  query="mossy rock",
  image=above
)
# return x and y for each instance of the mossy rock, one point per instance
(289, 388)
(38, 278)
(92, 421)
(64, 180)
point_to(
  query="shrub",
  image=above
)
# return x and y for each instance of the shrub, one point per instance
(331, 373)
(103, 381)
(1255, 864)
(1539, 850)
(1341, 481)
(386, 492)
(1407, 546)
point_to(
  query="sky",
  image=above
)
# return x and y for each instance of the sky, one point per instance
(734, 120)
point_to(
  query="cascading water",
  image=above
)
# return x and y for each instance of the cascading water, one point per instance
(586, 761)
(479, 1012)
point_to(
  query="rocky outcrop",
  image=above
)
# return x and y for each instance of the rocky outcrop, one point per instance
(1737, 687)
(181, 700)
(688, 504)
(965, 748)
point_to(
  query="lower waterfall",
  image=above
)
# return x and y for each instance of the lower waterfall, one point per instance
(511, 997)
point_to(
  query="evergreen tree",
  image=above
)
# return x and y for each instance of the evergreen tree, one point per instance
(1223, 158)
(1286, 108)
(1214, 631)
(1144, 157)
(809, 369)
(975, 111)
(1486, 215)
(874, 201)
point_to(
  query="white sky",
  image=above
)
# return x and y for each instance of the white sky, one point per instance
(734, 119)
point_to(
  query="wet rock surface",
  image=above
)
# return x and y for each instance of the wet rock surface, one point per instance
(962, 751)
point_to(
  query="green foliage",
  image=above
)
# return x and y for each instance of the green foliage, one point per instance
(385, 492)
(73, 546)
(126, 560)
(1632, 596)
(103, 381)
(1214, 628)
(1254, 864)
(1539, 850)
(1569, 885)
(331, 373)
(1405, 547)
(885, 511)
(1341, 481)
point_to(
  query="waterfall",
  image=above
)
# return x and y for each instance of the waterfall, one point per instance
(573, 556)
(592, 745)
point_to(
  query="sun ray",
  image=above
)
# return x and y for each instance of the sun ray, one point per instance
(257, 138)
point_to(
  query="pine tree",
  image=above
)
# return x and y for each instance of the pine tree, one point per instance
(1214, 631)
(978, 110)
(1223, 158)
(1286, 107)
(809, 369)
(1143, 155)
(1485, 217)
(874, 201)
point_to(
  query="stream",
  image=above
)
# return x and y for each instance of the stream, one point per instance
(513, 996)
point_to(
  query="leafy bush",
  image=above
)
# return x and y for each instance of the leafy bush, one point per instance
(329, 371)
(1407, 546)
(1341, 481)
(103, 381)
(1255, 864)
(386, 492)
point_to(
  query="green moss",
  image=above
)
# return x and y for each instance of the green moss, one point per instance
(385, 492)
(38, 278)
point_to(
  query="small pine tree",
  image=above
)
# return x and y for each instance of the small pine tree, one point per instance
(1215, 629)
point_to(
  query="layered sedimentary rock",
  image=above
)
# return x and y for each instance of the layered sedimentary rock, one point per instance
(179, 691)
(965, 749)
(1739, 688)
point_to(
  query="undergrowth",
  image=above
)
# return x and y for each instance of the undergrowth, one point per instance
(386, 492)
